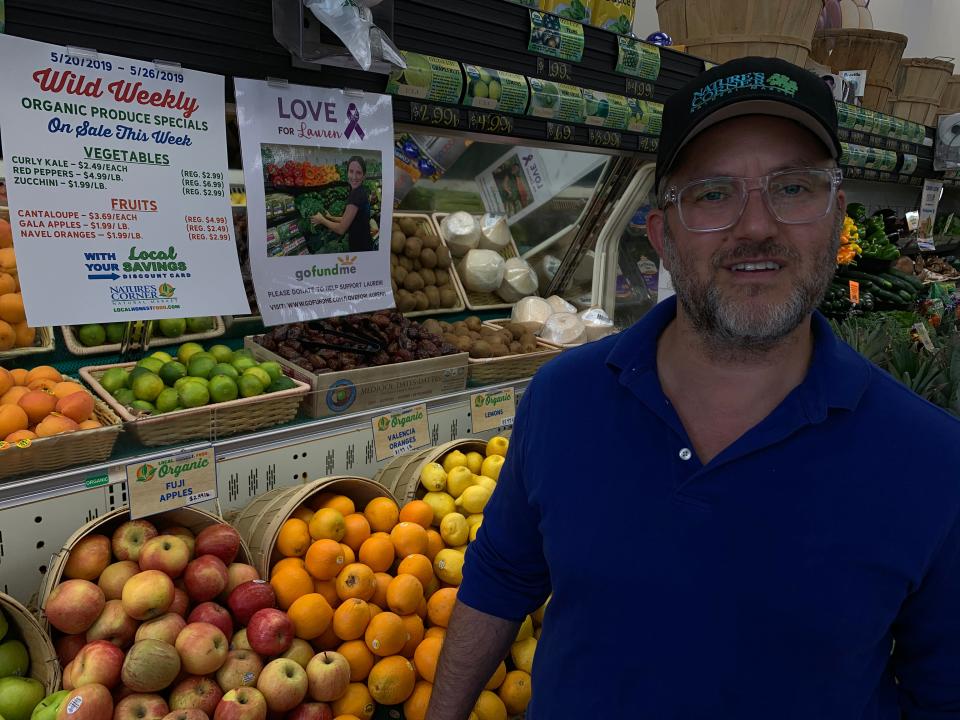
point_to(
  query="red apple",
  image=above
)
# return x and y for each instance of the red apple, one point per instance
(68, 646)
(238, 574)
(240, 669)
(74, 605)
(244, 703)
(248, 597)
(328, 675)
(193, 691)
(311, 711)
(141, 707)
(270, 632)
(164, 628)
(202, 647)
(114, 576)
(220, 540)
(185, 534)
(130, 537)
(147, 595)
(113, 625)
(205, 578)
(150, 666)
(191, 714)
(97, 662)
(67, 680)
(120, 692)
(166, 553)
(181, 602)
(88, 558)
(87, 702)
(210, 612)
(283, 684)
(300, 651)
(239, 640)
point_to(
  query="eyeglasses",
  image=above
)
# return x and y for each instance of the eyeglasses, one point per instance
(794, 197)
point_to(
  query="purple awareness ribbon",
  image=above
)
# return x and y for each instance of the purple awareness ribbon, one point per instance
(353, 116)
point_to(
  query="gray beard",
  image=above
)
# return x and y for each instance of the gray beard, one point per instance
(728, 329)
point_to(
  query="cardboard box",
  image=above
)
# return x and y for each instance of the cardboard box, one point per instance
(350, 391)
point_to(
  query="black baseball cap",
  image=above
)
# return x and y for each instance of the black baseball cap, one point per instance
(746, 86)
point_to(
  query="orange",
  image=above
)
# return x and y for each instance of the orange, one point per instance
(303, 513)
(327, 523)
(6, 235)
(417, 511)
(415, 708)
(391, 680)
(515, 691)
(19, 375)
(12, 419)
(404, 594)
(290, 584)
(293, 538)
(426, 657)
(351, 619)
(311, 615)
(418, 566)
(327, 641)
(25, 335)
(21, 435)
(435, 631)
(349, 556)
(327, 588)
(11, 308)
(377, 552)
(490, 707)
(386, 634)
(13, 395)
(356, 581)
(356, 701)
(496, 680)
(317, 501)
(431, 587)
(358, 530)
(8, 336)
(342, 504)
(37, 404)
(44, 372)
(289, 562)
(8, 283)
(374, 610)
(324, 559)
(383, 582)
(351, 716)
(6, 381)
(359, 657)
(8, 259)
(408, 539)
(422, 608)
(414, 626)
(382, 514)
(434, 544)
(45, 384)
(67, 387)
(440, 606)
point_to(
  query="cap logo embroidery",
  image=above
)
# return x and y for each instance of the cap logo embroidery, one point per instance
(777, 82)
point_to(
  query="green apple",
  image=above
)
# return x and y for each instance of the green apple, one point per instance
(14, 658)
(19, 696)
(48, 707)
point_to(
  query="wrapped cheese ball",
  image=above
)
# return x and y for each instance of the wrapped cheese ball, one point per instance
(494, 233)
(531, 312)
(597, 323)
(461, 232)
(559, 305)
(519, 280)
(564, 329)
(482, 270)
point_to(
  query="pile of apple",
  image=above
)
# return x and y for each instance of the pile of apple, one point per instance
(162, 624)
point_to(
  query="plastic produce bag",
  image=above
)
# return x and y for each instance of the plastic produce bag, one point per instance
(352, 22)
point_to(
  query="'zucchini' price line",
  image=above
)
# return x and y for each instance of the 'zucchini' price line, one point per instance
(491, 123)
(435, 115)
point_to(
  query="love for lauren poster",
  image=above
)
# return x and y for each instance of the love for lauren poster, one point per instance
(117, 182)
(318, 166)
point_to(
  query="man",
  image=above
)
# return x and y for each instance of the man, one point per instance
(730, 507)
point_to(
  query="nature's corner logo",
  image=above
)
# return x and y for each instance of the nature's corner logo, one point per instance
(146, 473)
(478, 402)
(166, 290)
(383, 423)
(778, 82)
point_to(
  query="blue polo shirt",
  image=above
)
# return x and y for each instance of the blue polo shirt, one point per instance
(769, 584)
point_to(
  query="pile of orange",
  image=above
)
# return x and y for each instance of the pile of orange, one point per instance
(14, 331)
(41, 403)
(360, 581)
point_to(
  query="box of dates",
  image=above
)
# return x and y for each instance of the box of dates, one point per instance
(368, 361)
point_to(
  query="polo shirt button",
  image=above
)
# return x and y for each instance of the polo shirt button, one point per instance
(685, 454)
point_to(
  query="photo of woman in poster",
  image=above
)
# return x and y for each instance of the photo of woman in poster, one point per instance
(355, 221)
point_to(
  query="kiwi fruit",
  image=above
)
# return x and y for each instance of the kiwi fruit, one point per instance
(443, 257)
(430, 241)
(474, 323)
(429, 276)
(481, 349)
(406, 263)
(461, 331)
(458, 326)
(394, 286)
(474, 334)
(428, 258)
(433, 295)
(408, 225)
(394, 260)
(413, 281)
(416, 264)
(445, 326)
(432, 327)
(443, 277)
(397, 242)
(399, 273)
(516, 348)
(413, 247)
(515, 329)
(405, 301)
(500, 351)
(423, 303)
(448, 298)
(528, 345)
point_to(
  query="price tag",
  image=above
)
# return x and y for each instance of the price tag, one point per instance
(492, 410)
(921, 330)
(605, 138)
(400, 432)
(493, 123)
(854, 292)
(554, 69)
(642, 89)
(637, 58)
(436, 115)
(930, 200)
(555, 36)
(171, 482)
(558, 132)
(648, 144)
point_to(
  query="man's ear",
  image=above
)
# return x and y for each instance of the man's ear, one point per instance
(842, 201)
(656, 223)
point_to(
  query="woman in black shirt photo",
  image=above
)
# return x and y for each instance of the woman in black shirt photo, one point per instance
(355, 222)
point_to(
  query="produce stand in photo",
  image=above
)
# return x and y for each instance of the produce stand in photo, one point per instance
(75, 347)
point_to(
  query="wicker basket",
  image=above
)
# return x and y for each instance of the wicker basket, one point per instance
(260, 521)
(722, 30)
(950, 102)
(487, 371)
(42, 343)
(194, 519)
(920, 85)
(426, 226)
(208, 422)
(875, 51)
(403, 478)
(49, 454)
(76, 348)
(44, 666)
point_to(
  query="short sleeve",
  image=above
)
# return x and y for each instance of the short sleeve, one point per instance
(357, 197)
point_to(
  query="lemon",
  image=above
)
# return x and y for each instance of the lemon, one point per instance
(474, 499)
(526, 629)
(474, 519)
(497, 446)
(433, 477)
(462, 549)
(474, 461)
(448, 565)
(522, 654)
(458, 480)
(484, 481)
(454, 459)
(442, 505)
(491, 466)
(454, 529)
(475, 529)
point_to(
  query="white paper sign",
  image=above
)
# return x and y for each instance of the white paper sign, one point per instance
(314, 162)
(116, 174)
(930, 200)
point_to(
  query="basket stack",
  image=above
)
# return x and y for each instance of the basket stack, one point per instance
(875, 51)
(921, 83)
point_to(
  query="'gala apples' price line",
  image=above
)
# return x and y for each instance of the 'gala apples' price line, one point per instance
(491, 123)
(434, 115)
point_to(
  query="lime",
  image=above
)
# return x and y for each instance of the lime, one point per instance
(223, 388)
(224, 369)
(167, 400)
(124, 396)
(273, 369)
(114, 379)
(193, 395)
(242, 363)
(172, 371)
(114, 332)
(161, 356)
(200, 366)
(242, 352)
(137, 372)
(90, 335)
(199, 324)
(172, 327)
(183, 381)
(250, 386)
(281, 383)
(187, 351)
(222, 353)
(143, 406)
(260, 374)
(151, 364)
(147, 386)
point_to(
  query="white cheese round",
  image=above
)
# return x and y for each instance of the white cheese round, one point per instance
(560, 305)
(519, 280)
(597, 323)
(461, 232)
(564, 329)
(494, 232)
(481, 270)
(531, 312)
